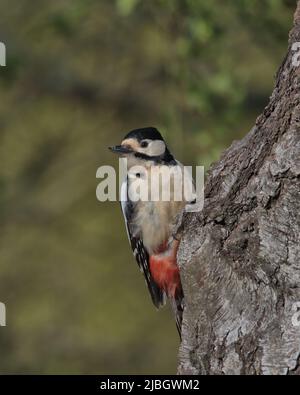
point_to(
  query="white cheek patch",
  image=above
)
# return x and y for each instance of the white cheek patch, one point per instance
(155, 148)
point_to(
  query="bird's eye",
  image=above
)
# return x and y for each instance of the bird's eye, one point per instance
(144, 144)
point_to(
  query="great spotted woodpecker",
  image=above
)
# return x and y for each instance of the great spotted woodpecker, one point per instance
(150, 223)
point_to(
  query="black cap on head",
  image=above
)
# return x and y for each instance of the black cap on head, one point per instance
(144, 134)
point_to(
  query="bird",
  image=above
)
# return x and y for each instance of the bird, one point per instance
(150, 223)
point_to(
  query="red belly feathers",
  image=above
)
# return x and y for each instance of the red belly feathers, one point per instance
(164, 269)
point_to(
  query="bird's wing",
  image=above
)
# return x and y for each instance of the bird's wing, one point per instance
(140, 253)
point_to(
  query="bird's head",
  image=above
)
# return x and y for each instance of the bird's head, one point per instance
(145, 144)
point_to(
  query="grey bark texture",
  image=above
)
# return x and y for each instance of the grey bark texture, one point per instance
(240, 256)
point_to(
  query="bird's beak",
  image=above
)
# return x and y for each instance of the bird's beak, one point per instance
(121, 149)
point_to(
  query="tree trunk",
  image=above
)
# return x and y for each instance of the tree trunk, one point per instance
(240, 256)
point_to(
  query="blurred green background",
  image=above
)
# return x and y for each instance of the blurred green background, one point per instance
(79, 75)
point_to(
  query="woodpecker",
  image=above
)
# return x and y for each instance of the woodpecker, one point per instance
(150, 224)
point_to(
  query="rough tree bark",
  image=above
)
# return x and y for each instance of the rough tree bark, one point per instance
(240, 256)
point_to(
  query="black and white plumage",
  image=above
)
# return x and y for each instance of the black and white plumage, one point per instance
(149, 224)
(139, 251)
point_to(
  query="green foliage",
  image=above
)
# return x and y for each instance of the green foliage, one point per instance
(125, 7)
(80, 74)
